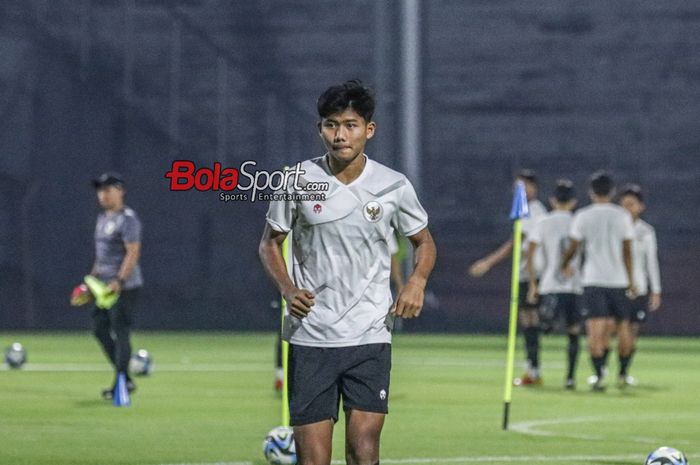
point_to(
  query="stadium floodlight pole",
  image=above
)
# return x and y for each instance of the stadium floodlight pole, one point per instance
(519, 211)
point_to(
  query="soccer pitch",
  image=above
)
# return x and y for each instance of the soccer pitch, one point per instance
(210, 400)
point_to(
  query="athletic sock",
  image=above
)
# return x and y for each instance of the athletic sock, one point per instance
(532, 347)
(573, 355)
(598, 363)
(605, 356)
(625, 363)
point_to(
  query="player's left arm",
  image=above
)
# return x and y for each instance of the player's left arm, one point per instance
(409, 302)
(652, 265)
(131, 259)
(131, 236)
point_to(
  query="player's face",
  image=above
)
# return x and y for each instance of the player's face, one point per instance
(632, 205)
(345, 134)
(110, 196)
(530, 189)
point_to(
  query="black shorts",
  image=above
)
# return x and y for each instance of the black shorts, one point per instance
(554, 307)
(320, 376)
(640, 309)
(606, 302)
(523, 304)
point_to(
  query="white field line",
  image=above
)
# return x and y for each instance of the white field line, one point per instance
(477, 459)
(534, 428)
(246, 367)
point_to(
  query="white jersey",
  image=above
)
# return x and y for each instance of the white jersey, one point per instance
(646, 260)
(602, 227)
(536, 211)
(341, 252)
(551, 234)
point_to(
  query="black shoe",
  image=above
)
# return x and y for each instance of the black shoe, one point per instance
(108, 394)
(570, 385)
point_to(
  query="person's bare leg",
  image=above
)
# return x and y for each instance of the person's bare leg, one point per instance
(626, 340)
(314, 443)
(362, 433)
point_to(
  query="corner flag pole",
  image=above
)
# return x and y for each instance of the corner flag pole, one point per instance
(285, 344)
(517, 213)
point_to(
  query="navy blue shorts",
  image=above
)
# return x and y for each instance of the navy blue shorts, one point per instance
(606, 302)
(555, 307)
(640, 309)
(319, 377)
(523, 304)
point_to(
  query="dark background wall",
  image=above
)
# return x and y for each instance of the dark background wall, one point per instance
(562, 87)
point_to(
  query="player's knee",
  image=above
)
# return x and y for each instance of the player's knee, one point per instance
(363, 450)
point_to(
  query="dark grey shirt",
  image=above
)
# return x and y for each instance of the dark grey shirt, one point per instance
(112, 233)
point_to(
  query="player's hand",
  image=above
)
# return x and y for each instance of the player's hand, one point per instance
(532, 294)
(568, 272)
(409, 302)
(631, 292)
(115, 286)
(299, 302)
(654, 302)
(479, 268)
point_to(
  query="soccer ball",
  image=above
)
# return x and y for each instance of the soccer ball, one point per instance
(141, 363)
(666, 456)
(279, 448)
(15, 355)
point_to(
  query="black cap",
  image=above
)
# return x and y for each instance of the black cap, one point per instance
(109, 178)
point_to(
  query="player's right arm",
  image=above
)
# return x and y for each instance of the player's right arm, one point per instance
(629, 268)
(482, 266)
(531, 272)
(299, 301)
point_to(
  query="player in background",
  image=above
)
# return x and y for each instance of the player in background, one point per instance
(646, 271)
(605, 232)
(527, 311)
(338, 296)
(117, 253)
(558, 291)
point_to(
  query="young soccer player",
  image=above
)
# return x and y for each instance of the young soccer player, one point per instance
(527, 311)
(646, 271)
(117, 252)
(558, 291)
(606, 232)
(338, 298)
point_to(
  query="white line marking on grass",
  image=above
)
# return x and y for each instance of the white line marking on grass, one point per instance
(213, 463)
(532, 428)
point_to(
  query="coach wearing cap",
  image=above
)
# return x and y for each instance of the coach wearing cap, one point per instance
(117, 251)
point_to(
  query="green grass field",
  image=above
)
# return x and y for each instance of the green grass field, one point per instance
(210, 401)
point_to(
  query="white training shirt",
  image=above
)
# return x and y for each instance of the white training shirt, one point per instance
(340, 252)
(602, 227)
(536, 211)
(551, 234)
(646, 260)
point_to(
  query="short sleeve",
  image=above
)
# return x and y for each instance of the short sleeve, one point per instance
(576, 230)
(131, 229)
(410, 216)
(535, 232)
(627, 227)
(281, 214)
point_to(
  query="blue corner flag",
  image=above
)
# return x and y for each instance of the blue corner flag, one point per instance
(520, 209)
(121, 393)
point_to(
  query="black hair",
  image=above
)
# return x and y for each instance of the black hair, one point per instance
(564, 191)
(351, 94)
(528, 175)
(602, 183)
(632, 189)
